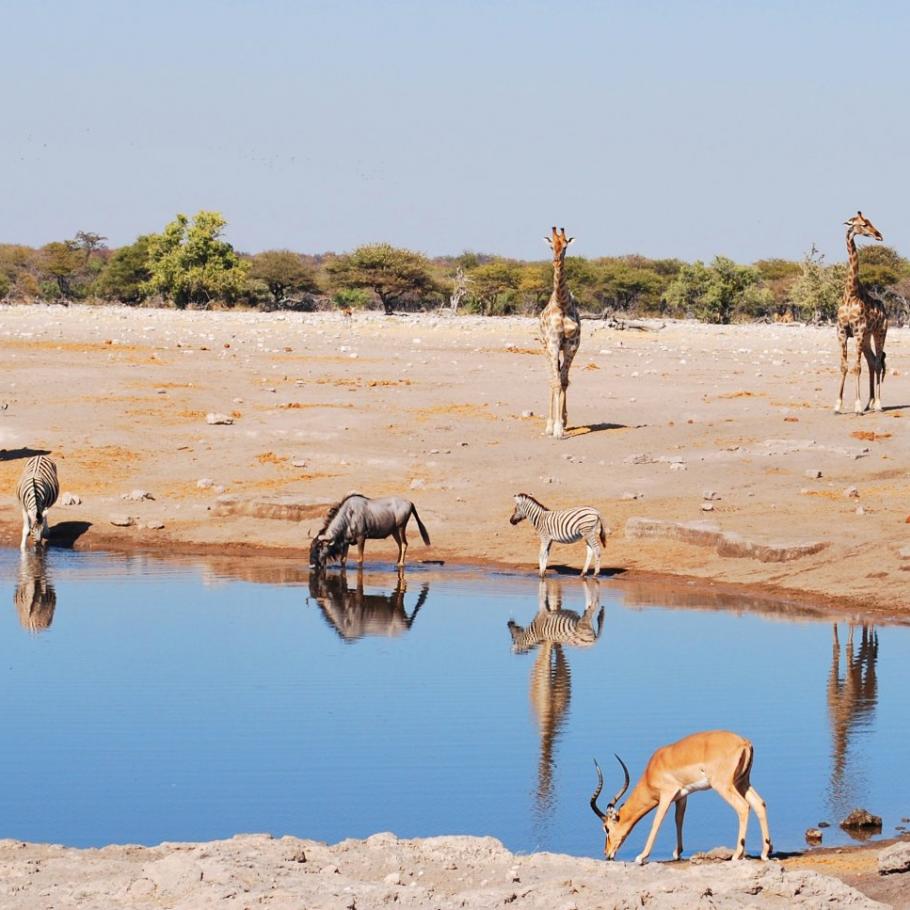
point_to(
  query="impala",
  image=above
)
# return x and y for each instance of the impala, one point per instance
(714, 760)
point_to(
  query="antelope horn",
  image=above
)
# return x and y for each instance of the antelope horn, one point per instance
(625, 785)
(600, 786)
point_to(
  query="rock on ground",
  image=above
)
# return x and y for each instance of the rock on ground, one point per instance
(895, 858)
(439, 872)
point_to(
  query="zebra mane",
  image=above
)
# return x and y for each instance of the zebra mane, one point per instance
(333, 510)
(536, 502)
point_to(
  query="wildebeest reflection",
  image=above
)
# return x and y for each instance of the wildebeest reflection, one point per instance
(354, 614)
(550, 687)
(34, 597)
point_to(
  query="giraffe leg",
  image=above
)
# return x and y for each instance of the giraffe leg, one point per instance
(879, 365)
(861, 342)
(842, 341)
(872, 366)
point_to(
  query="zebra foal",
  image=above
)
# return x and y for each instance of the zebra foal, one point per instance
(562, 526)
(37, 491)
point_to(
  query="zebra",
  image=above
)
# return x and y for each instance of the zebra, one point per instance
(557, 626)
(34, 597)
(37, 491)
(563, 526)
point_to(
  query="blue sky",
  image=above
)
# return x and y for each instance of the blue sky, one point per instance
(670, 129)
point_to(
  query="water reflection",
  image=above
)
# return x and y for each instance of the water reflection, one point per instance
(550, 686)
(354, 614)
(852, 700)
(34, 597)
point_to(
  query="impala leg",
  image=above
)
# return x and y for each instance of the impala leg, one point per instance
(662, 807)
(741, 808)
(761, 812)
(680, 815)
(544, 556)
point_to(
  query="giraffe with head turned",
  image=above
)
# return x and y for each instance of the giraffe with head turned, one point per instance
(862, 318)
(560, 332)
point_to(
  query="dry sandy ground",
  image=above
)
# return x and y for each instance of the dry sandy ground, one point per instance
(433, 407)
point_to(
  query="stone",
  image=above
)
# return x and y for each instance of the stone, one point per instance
(154, 525)
(707, 507)
(813, 474)
(122, 521)
(204, 483)
(631, 495)
(218, 419)
(710, 496)
(894, 859)
(70, 499)
(417, 484)
(298, 463)
(861, 818)
(813, 836)
(137, 495)
(526, 414)
(851, 493)
(393, 878)
(678, 466)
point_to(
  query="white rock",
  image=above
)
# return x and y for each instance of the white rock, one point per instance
(707, 507)
(417, 484)
(851, 493)
(204, 483)
(393, 878)
(154, 525)
(122, 521)
(70, 499)
(137, 495)
(219, 419)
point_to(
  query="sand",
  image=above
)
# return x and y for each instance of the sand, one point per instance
(731, 427)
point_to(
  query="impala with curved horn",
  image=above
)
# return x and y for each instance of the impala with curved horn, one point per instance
(713, 760)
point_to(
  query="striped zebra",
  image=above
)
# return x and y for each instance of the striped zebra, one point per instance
(557, 626)
(37, 491)
(563, 526)
(34, 597)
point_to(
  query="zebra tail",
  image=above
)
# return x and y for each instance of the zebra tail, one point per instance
(420, 526)
(603, 535)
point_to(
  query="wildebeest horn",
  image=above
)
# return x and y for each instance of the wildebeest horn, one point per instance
(600, 786)
(625, 785)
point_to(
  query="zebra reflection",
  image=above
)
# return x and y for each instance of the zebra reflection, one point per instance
(550, 687)
(34, 597)
(852, 699)
(354, 614)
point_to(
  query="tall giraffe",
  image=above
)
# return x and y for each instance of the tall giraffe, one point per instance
(863, 319)
(560, 332)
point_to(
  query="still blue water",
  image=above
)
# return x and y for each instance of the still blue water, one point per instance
(144, 701)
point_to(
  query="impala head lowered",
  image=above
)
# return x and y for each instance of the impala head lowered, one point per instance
(614, 829)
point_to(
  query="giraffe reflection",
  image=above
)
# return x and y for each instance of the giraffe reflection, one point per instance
(852, 699)
(550, 688)
(354, 614)
(34, 597)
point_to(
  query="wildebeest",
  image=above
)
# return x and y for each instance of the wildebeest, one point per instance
(357, 519)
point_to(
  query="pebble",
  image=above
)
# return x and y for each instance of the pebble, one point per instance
(417, 484)
(122, 521)
(527, 414)
(631, 495)
(137, 495)
(204, 483)
(393, 878)
(710, 495)
(219, 419)
(851, 493)
(298, 463)
(154, 525)
(70, 499)
(813, 836)
(707, 507)
(813, 474)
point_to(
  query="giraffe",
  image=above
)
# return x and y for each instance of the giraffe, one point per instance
(862, 318)
(560, 332)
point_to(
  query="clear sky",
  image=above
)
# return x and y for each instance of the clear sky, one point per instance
(687, 129)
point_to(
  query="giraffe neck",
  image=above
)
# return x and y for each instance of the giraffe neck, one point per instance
(853, 285)
(560, 288)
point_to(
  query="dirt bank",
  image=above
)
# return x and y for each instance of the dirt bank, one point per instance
(440, 872)
(433, 407)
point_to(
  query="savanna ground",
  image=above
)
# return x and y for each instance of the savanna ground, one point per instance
(662, 423)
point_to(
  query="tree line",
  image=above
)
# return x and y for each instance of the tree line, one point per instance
(190, 264)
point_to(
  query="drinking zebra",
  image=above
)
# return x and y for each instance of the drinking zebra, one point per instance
(562, 526)
(37, 491)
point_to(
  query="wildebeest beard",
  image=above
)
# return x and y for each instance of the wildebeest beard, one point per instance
(323, 551)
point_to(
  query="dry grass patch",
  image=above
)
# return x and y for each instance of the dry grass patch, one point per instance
(869, 435)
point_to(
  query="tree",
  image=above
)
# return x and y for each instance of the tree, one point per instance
(818, 290)
(713, 292)
(284, 273)
(5, 285)
(88, 242)
(492, 282)
(126, 275)
(881, 266)
(61, 262)
(393, 275)
(192, 265)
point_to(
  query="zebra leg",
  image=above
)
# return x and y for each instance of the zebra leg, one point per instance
(44, 529)
(25, 529)
(589, 552)
(544, 556)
